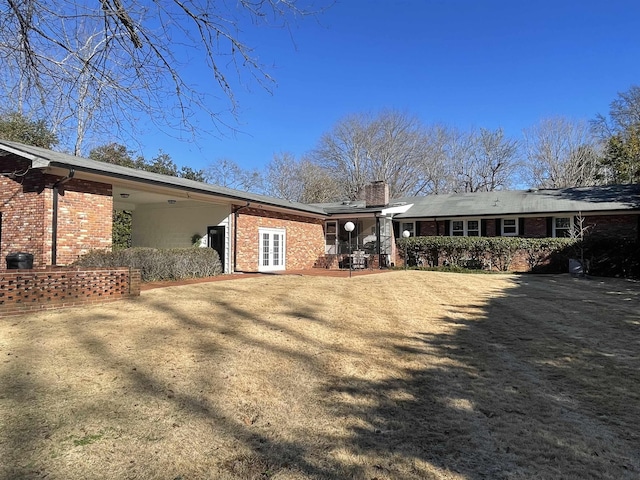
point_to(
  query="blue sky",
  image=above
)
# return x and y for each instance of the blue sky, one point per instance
(464, 63)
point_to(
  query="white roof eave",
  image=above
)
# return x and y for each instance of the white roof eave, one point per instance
(396, 209)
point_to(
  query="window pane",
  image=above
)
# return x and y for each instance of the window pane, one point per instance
(563, 226)
(473, 233)
(265, 249)
(472, 225)
(509, 222)
(408, 227)
(276, 249)
(457, 225)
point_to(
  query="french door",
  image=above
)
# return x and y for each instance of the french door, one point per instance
(272, 249)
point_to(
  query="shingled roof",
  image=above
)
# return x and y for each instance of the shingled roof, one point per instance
(43, 158)
(607, 198)
(610, 198)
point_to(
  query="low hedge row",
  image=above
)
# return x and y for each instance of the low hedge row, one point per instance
(602, 256)
(158, 264)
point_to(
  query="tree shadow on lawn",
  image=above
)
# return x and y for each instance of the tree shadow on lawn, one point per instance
(509, 391)
(262, 450)
(519, 392)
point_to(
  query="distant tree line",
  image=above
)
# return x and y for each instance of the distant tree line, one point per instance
(413, 158)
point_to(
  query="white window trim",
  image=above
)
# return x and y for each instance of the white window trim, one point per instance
(413, 231)
(553, 223)
(502, 232)
(465, 226)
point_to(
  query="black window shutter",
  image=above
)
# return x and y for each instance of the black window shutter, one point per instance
(483, 227)
(549, 226)
(417, 232)
(396, 230)
(498, 227)
(447, 228)
(521, 226)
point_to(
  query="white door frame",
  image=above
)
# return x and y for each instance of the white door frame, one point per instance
(271, 249)
(331, 237)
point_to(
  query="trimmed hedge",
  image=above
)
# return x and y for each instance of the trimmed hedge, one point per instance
(603, 256)
(158, 264)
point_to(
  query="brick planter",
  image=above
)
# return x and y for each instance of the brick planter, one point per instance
(23, 291)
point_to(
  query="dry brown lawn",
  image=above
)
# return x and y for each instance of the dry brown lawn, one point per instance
(405, 375)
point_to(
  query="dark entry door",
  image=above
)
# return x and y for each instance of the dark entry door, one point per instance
(215, 240)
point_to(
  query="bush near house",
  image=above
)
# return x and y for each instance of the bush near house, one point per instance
(158, 264)
(602, 256)
(612, 257)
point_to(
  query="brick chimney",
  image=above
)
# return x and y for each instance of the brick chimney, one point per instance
(376, 194)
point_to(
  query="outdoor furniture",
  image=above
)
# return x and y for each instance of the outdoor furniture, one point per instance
(359, 259)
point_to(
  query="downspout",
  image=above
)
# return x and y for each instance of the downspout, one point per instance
(235, 234)
(54, 220)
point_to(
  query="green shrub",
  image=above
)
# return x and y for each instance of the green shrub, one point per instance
(158, 264)
(610, 257)
(485, 252)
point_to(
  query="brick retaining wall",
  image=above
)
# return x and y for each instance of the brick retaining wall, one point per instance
(23, 291)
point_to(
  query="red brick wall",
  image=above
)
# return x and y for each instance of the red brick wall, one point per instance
(490, 225)
(622, 226)
(304, 238)
(22, 204)
(85, 212)
(85, 219)
(430, 229)
(535, 227)
(23, 291)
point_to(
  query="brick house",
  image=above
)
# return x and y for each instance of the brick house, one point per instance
(612, 210)
(58, 207)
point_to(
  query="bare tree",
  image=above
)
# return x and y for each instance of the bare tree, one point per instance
(300, 181)
(228, 173)
(344, 151)
(560, 153)
(389, 146)
(101, 66)
(438, 162)
(624, 114)
(495, 160)
(481, 160)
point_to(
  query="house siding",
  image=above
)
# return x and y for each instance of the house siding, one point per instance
(84, 214)
(173, 226)
(304, 238)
